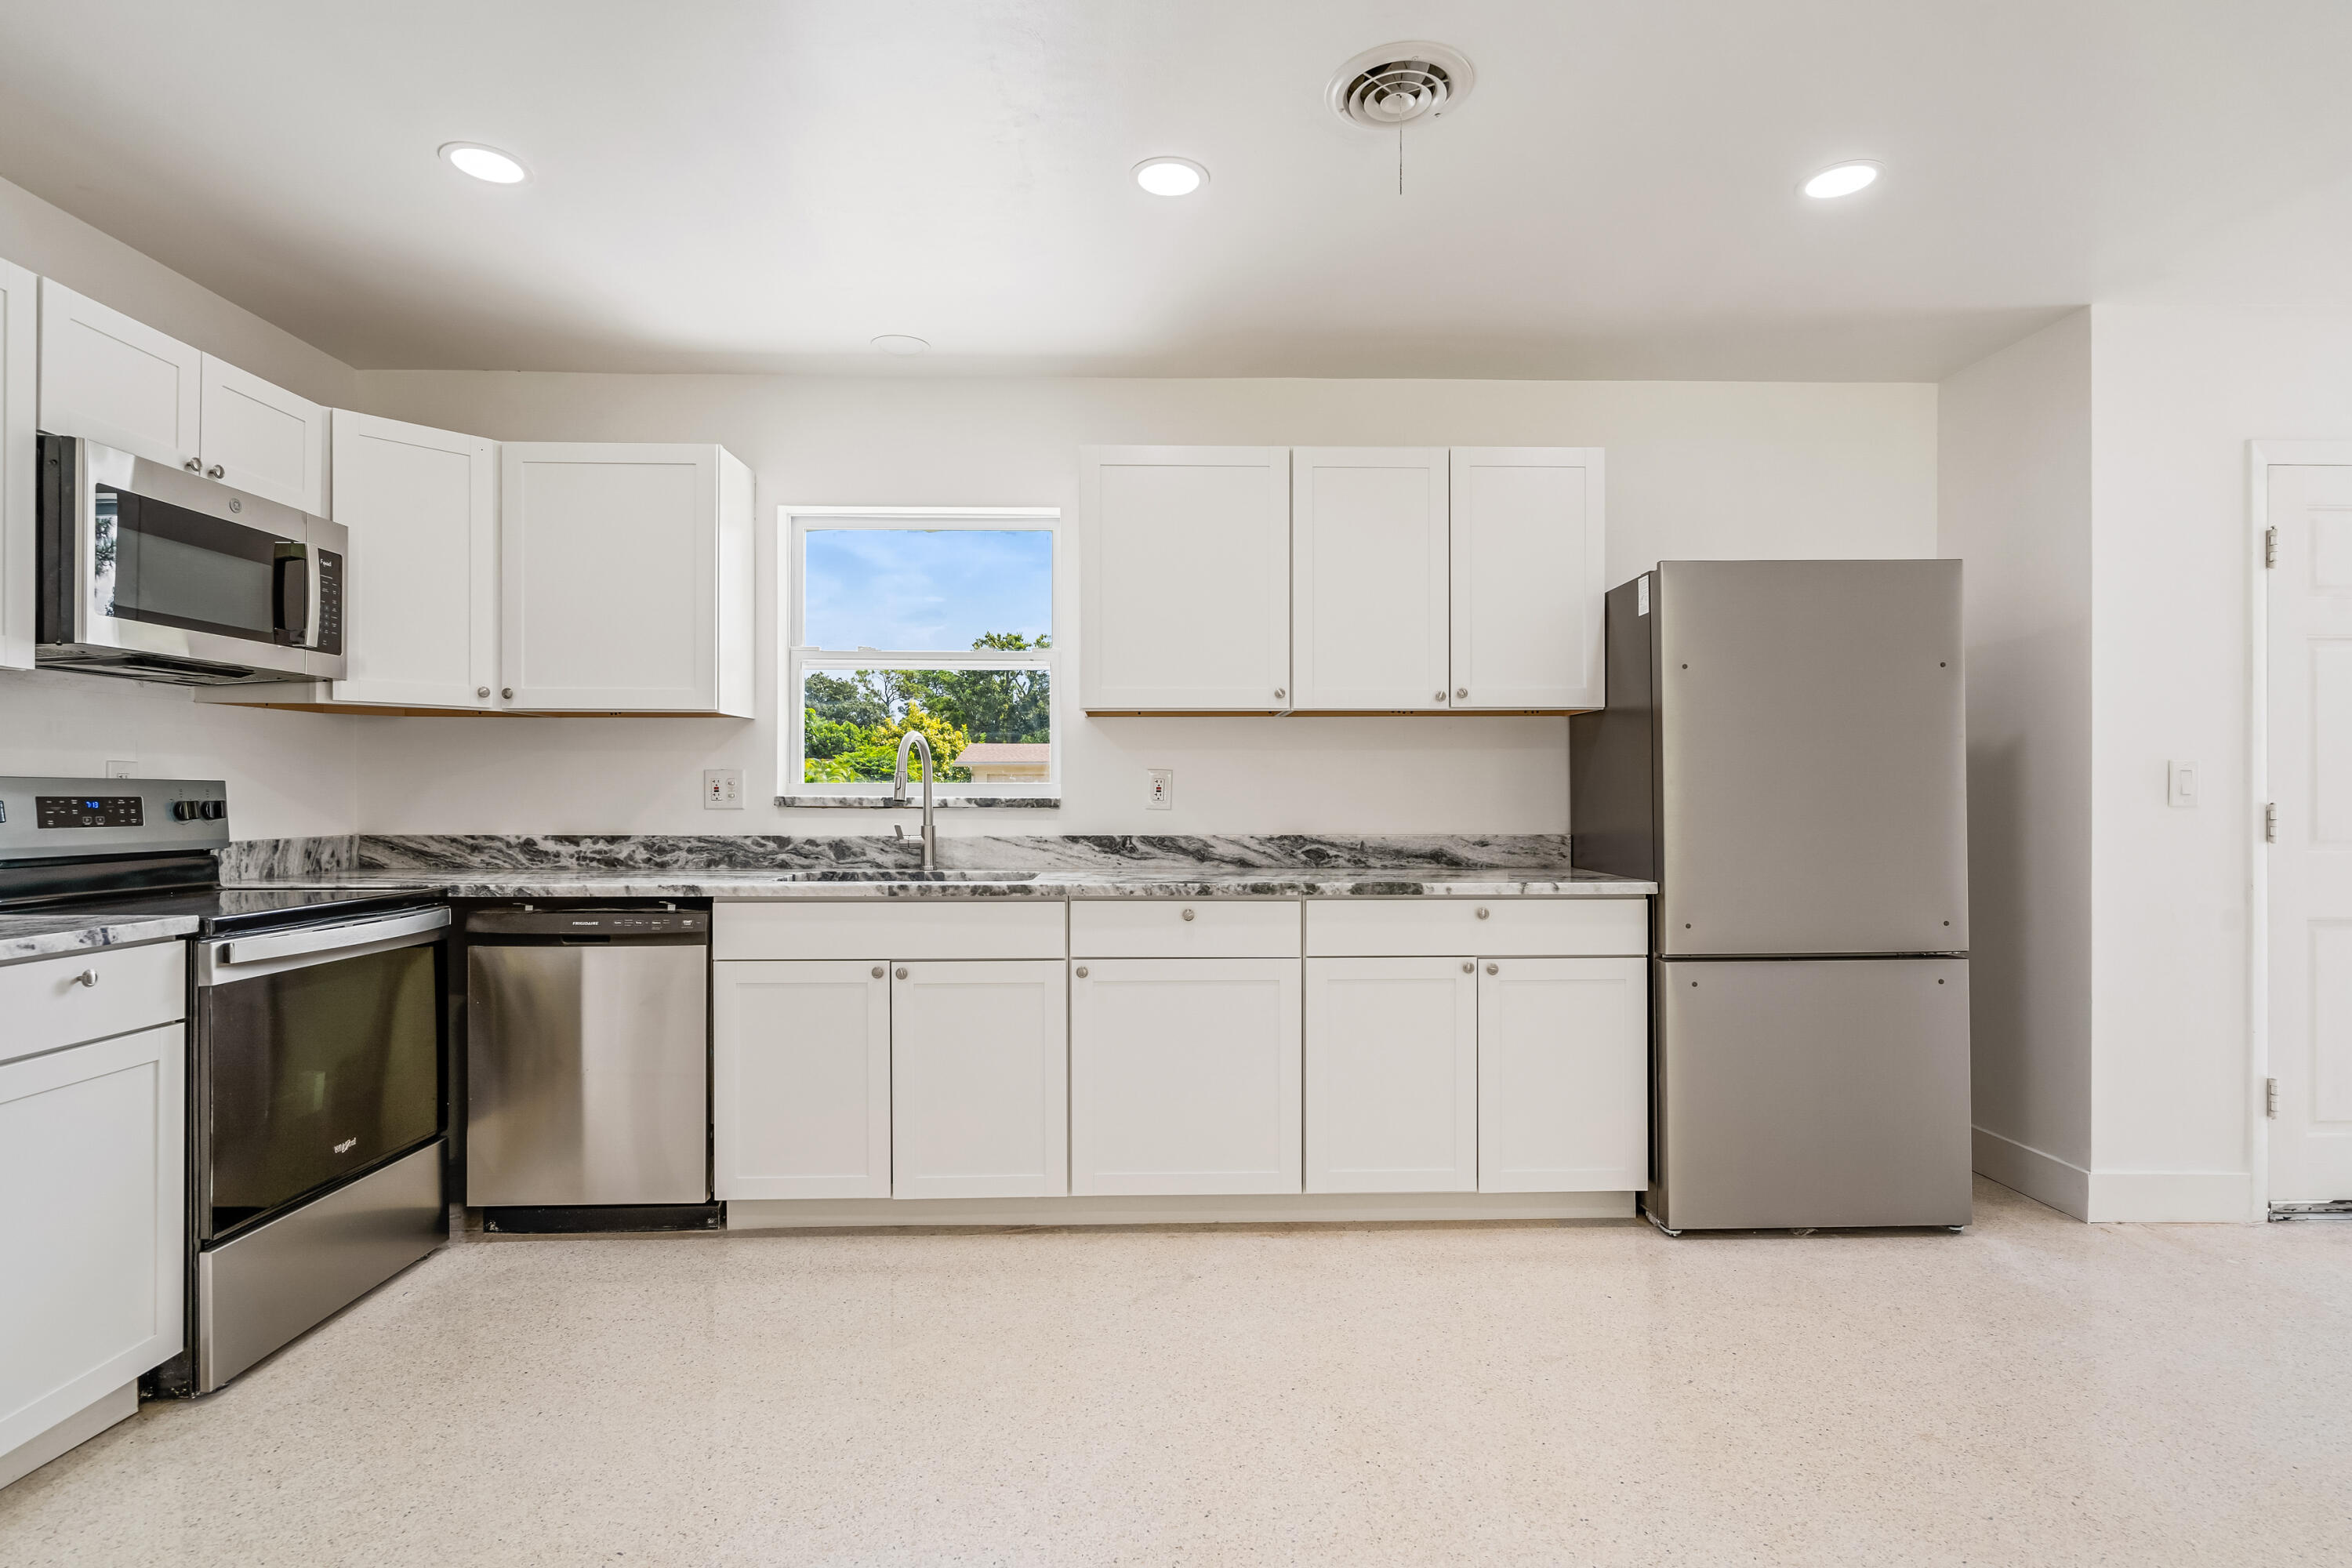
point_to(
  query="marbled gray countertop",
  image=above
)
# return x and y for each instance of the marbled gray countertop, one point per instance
(40, 935)
(881, 883)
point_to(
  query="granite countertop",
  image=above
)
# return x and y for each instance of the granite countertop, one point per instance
(471, 882)
(41, 934)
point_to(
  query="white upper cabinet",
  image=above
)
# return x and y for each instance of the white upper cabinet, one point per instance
(118, 382)
(262, 438)
(421, 626)
(124, 384)
(625, 578)
(1185, 574)
(19, 361)
(1529, 565)
(1369, 569)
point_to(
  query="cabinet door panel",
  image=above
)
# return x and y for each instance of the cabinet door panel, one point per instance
(117, 380)
(1185, 578)
(1528, 569)
(980, 1080)
(20, 365)
(1184, 1076)
(92, 1222)
(1369, 577)
(801, 1091)
(1563, 1080)
(263, 439)
(1391, 1075)
(421, 505)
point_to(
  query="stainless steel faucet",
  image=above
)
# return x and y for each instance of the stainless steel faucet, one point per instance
(899, 790)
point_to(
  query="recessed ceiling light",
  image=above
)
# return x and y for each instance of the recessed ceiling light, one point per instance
(485, 163)
(1170, 176)
(1842, 180)
(901, 344)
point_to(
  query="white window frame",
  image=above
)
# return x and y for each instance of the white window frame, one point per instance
(799, 658)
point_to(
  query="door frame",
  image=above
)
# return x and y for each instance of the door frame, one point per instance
(2263, 456)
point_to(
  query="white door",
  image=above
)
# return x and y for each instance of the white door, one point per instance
(979, 1084)
(1391, 1075)
(421, 627)
(608, 593)
(800, 1094)
(1369, 607)
(1185, 578)
(261, 438)
(118, 382)
(1184, 1075)
(19, 365)
(2310, 767)
(1563, 1075)
(93, 1224)
(1528, 569)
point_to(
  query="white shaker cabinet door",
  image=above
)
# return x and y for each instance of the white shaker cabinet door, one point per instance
(980, 1080)
(1184, 575)
(260, 437)
(19, 368)
(118, 382)
(1529, 567)
(1369, 609)
(1563, 1075)
(800, 1079)
(1184, 1075)
(422, 625)
(93, 1224)
(1391, 1075)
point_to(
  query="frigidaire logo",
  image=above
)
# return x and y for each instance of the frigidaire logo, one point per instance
(347, 1145)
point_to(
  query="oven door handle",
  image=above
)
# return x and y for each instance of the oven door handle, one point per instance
(233, 951)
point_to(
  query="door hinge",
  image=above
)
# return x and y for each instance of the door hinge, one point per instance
(2270, 545)
(2270, 823)
(2270, 1098)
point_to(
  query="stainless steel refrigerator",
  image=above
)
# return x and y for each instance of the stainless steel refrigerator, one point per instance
(1782, 752)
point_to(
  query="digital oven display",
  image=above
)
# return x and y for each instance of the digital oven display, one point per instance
(88, 811)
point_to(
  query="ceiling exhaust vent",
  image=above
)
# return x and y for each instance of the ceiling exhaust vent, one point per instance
(1399, 84)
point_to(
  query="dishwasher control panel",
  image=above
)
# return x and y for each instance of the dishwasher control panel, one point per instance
(611, 923)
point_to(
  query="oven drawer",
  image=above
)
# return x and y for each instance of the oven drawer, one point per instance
(90, 995)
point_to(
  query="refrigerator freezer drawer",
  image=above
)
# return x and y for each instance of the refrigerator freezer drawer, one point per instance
(1795, 1092)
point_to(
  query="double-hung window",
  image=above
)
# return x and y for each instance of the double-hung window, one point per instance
(937, 621)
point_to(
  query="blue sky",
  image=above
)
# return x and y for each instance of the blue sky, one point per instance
(908, 588)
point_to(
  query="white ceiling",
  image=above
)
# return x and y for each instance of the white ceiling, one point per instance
(723, 185)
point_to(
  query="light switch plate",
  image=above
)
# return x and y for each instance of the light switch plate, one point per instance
(2182, 790)
(118, 770)
(722, 789)
(1163, 790)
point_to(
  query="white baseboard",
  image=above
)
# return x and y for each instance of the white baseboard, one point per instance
(2174, 1197)
(119, 1404)
(2044, 1178)
(1264, 1208)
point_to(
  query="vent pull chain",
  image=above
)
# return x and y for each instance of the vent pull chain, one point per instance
(1399, 157)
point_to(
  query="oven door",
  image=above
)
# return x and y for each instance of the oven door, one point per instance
(318, 1059)
(148, 568)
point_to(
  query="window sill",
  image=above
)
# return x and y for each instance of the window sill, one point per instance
(915, 801)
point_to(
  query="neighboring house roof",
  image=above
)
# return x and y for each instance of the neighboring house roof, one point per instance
(999, 752)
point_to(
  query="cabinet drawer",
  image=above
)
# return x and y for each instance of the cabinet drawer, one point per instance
(47, 1005)
(1164, 928)
(1498, 928)
(780, 929)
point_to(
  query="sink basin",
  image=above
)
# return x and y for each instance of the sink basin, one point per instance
(888, 874)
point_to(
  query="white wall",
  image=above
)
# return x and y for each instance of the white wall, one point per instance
(1695, 470)
(287, 777)
(2015, 466)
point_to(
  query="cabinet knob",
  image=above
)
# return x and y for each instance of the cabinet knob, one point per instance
(481, 691)
(1082, 972)
(1461, 691)
(193, 466)
(1278, 693)
(87, 977)
(901, 972)
(1437, 697)
(1188, 914)
(214, 471)
(507, 691)
(1482, 911)
(1468, 968)
(1494, 969)
(878, 971)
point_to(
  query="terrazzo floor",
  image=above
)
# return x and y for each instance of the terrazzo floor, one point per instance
(2032, 1391)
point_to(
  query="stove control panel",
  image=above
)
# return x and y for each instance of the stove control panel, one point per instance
(48, 818)
(90, 810)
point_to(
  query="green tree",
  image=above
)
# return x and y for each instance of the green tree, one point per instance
(1013, 705)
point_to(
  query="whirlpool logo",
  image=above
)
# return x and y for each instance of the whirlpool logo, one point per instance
(347, 1145)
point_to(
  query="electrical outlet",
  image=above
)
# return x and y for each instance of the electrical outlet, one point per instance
(118, 770)
(1163, 790)
(722, 789)
(2182, 790)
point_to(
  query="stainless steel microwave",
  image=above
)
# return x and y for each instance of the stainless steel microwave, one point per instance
(148, 571)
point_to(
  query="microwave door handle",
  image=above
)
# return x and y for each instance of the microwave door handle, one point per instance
(310, 601)
(296, 602)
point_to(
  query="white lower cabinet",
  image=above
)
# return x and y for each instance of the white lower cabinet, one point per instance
(979, 1080)
(1563, 1074)
(1391, 1075)
(92, 1223)
(1185, 1075)
(801, 1081)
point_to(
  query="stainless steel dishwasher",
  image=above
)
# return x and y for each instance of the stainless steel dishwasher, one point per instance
(588, 1072)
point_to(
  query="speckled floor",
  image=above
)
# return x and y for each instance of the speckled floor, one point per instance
(2034, 1392)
